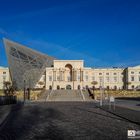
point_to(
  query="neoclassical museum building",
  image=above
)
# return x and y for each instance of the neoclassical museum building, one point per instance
(37, 70)
(71, 74)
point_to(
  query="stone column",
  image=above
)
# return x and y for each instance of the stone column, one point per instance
(75, 75)
(81, 75)
(61, 75)
(72, 73)
(64, 75)
(54, 75)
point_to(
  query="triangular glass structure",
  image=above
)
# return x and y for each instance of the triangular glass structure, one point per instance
(25, 64)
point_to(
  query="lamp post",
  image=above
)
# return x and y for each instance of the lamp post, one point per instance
(101, 91)
(29, 89)
(101, 102)
(24, 89)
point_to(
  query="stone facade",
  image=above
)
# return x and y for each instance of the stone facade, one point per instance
(132, 75)
(71, 74)
(4, 76)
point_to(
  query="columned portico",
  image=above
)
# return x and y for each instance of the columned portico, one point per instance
(66, 74)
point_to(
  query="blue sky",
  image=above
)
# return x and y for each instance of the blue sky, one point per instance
(104, 33)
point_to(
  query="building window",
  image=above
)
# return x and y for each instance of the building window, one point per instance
(115, 73)
(50, 87)
(100, 73)
(79, 87)
(58, 87)
(132, 72)
(107, 87)
(68, 78)
(115, 87)
(58, 78)
(4, 72)
(86, 77)
(132, 78)
(4, 78)
(101, 79)
(115, 79)
(107, 79)
(50, 78)
(93, 78)
(107, 73)
(78, 77)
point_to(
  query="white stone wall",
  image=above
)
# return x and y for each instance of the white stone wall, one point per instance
(4, 76)
(133, 77)
(112, 77)
(83, 76)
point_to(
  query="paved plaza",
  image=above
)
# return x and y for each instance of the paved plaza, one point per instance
(63, 121)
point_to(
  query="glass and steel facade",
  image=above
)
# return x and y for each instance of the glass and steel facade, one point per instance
(26, 65)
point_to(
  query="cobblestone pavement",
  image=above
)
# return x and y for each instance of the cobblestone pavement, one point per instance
(63, 121)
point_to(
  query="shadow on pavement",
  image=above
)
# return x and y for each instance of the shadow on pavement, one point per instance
(126, 114)
(32, 122)
(129, 98)
(108, 116)
(6, 132)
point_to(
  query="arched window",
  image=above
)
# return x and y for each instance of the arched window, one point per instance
(115, 87)
(68, 72)
(133, 86)
(107, 87)
(79, 87)
(58, 87)
(50, 87)
(68, 87)
(86, 86)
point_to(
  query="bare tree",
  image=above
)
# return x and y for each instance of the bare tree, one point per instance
(9, 88)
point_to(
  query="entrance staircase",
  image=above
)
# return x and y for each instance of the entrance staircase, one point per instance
(67, 95)
(64, 95)
(43, 95)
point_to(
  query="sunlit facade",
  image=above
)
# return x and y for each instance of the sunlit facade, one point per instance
(29, 68)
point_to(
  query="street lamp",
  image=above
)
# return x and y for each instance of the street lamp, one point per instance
(101, 91)
(24, 89)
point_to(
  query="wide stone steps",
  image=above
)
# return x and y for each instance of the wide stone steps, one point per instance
(65, 95)
(44, 95)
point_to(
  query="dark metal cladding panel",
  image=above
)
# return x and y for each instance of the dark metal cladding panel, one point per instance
(25, 64)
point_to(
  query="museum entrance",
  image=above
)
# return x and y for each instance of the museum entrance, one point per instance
(68, 87)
